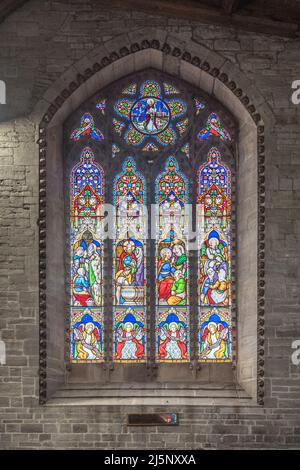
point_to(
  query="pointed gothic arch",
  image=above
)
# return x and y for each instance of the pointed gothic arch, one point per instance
(247, 143)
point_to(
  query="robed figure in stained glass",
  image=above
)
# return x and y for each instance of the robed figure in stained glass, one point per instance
(215, 336)
(130, 271)
(87, 335)
(129, 339)
(214, 270)
(171, 273)
(87, 269)
(172, 339)
(87, 340)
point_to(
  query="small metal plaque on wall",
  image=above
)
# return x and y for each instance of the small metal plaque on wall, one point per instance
(152, 419)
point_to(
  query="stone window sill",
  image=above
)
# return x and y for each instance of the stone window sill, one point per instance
(135, 394)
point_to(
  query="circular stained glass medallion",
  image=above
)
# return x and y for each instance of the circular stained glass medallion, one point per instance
(150, 115)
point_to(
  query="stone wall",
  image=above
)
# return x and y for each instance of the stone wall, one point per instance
(39, 43)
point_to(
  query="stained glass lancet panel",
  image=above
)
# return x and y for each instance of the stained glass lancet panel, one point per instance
(86, 204)
(214, 206)
(172, 276)
(129, 277)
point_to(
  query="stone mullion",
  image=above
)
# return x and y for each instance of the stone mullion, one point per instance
(108, 287)
(233, 253)
(193, 281)
(108, 302)
(151, 275)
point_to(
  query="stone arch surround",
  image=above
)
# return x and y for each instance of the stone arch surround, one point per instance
(215, 75)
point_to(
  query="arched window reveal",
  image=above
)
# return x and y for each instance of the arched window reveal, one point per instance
(129, 194)
(86, 202)
(214, 204)
(172, 312)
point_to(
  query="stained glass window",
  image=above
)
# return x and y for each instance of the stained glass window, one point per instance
(86, 203)
(129, 265)
(172, 314)
(214, 205)
(158, 311)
